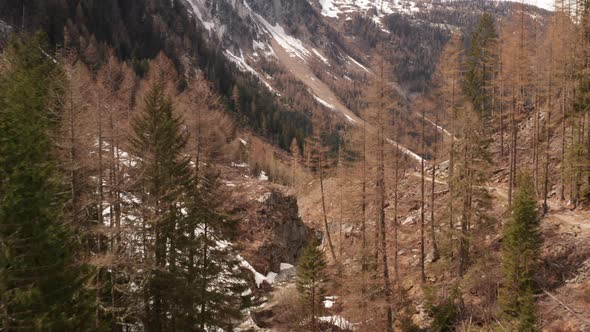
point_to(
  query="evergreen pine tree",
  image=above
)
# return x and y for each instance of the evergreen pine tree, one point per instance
(312, 279)
(479, 68)
(41, 283)
(194, 280)
(222, 290)
(161, 176)
(520, 249)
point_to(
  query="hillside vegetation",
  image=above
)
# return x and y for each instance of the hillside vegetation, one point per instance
(231, 166)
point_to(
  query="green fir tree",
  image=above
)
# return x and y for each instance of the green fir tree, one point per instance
(520, 251)
(161, 176)
(41, 282)
(311, 281)
(194, 282)
(480, 64)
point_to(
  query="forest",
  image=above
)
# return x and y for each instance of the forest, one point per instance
(142, 175)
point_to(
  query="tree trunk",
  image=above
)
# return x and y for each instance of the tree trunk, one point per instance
(436, 254)
(395, 213)
(536, 145)
(512, 151)
(452, 157)
(465, 217)
(204, 275)
(422, 198)
(324, 210)
(341, 205)
(563, 129)
(100, 199)
(548, 135)
(364, 202)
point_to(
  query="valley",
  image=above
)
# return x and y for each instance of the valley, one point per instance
(294, 165)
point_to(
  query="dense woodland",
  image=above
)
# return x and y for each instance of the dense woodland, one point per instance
(139, 31)
(111, 208)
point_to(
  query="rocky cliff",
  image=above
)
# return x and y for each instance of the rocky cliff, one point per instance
(271, 229)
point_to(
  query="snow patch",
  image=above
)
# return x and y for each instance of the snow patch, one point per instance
(329, 9)
(438, 127)
(350, 119)
(291, 44)
(337, 321)
(333, 8)
(265, 48)
(319, 55)
(245, 67)
(242, 165)
(324, 103)
(208, 25)
(286, 266)
(263, 198)
(259, 278)
(263, 176)
(406, 151)
(359, 64)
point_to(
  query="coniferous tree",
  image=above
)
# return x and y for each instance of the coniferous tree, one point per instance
(194, 280)
(480, 59)
(472, 171)
(213, 270)
(422, 200)
(311, 280)
(450, 74)
(162, 174)
(321, 162)
(295, 160)
(41, 283)
(520, 251)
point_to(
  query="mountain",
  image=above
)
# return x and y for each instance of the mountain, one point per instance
(200, 145)
(320, 54)
(309, 53)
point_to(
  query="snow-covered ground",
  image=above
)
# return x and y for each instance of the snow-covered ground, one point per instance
(323, 102)
(258, 277)
(338, 321)
(240, 61)
(338, 8)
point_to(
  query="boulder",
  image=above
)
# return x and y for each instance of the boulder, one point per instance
(273, 233)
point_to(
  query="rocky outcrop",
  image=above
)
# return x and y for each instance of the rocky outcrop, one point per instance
(274, 231)
(245, 26)
(5, 31)
(288, 232)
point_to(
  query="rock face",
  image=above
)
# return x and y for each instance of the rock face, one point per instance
(288, 234)
(272, 231)
(5, 31)
(246, 25)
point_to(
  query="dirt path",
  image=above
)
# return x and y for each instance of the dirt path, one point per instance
(494, 189)
(565, 305)
(579, 220)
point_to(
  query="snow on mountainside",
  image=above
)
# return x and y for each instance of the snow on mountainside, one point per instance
(319, 31)
(247, 35)
(238, 25)
(335, 8)
(329, 45)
